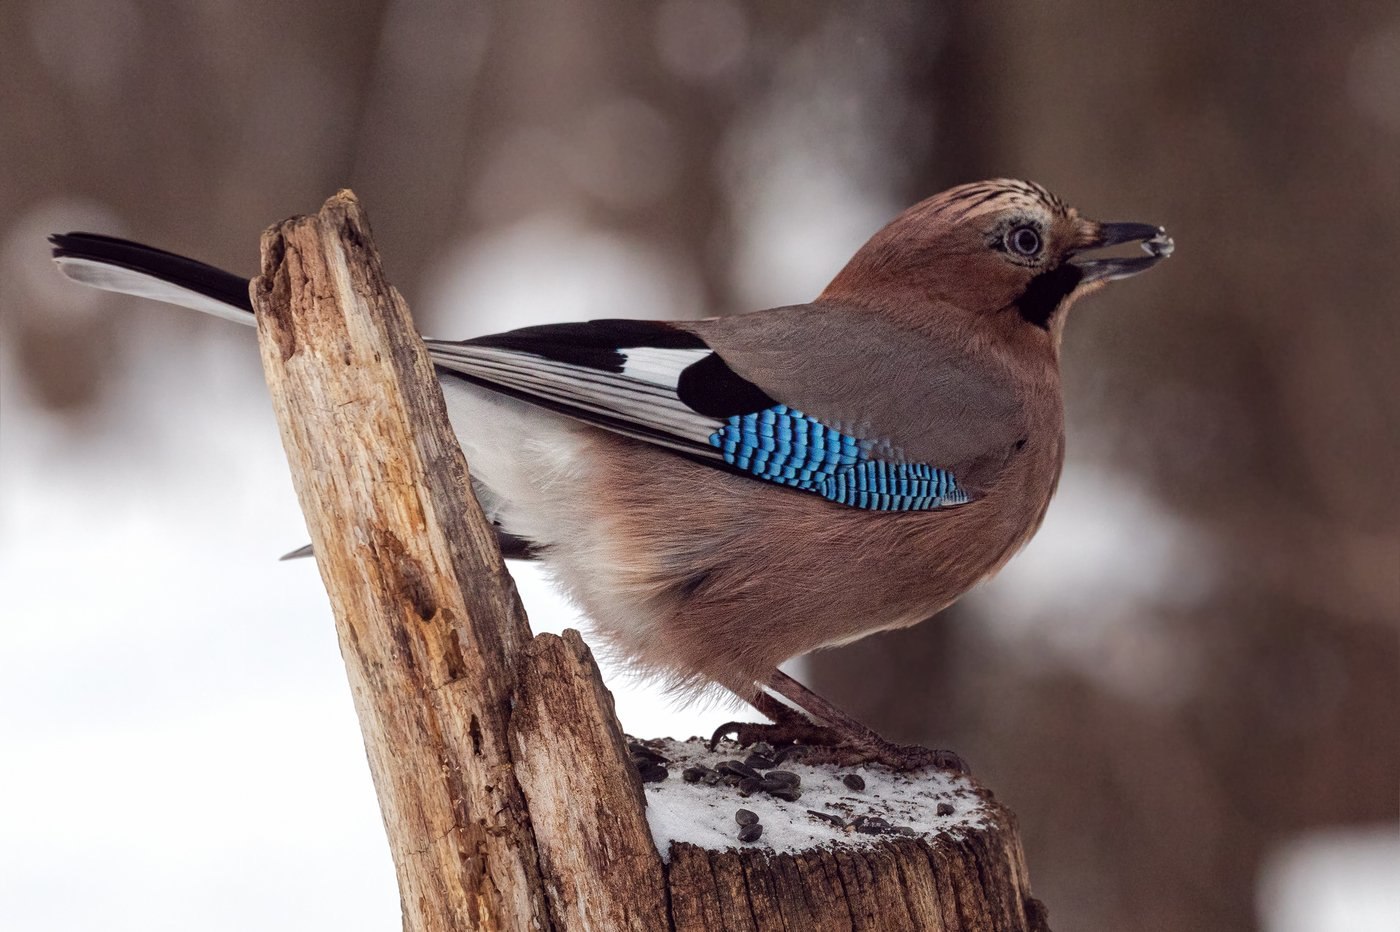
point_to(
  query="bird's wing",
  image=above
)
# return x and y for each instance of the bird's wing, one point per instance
(665, 384)
(623, 375)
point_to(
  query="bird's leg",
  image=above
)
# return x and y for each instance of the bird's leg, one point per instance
(855, 742)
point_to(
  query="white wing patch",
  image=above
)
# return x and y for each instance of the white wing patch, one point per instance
(659, 366)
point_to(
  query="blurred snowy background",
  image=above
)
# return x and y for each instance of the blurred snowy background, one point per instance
(1188, 687)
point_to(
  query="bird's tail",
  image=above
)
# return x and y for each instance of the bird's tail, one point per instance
(130, 268)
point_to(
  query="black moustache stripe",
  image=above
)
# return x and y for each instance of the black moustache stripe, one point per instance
(1037, 304)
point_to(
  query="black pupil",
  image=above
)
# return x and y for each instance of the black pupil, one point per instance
(1026, 241)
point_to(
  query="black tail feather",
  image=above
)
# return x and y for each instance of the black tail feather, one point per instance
(167, 266)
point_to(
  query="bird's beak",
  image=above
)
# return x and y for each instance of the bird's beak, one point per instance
(1155, 242)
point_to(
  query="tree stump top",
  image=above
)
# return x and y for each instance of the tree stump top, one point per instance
(929, 852)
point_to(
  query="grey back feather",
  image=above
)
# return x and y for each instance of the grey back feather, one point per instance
(929, 399)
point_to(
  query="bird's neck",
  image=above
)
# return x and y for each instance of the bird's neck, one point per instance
(1030, 355)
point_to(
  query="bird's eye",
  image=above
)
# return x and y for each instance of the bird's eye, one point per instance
(1024, 241)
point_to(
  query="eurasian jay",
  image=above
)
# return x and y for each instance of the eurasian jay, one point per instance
(721, 495)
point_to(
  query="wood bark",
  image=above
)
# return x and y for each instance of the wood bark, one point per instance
(973, 884)
(503, 775)
(426, 614)
(584, 795)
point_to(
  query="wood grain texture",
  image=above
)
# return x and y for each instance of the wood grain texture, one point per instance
(585, 797)
(975, 882)
(426, 615)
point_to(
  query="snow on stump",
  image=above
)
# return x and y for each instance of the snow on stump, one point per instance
(755, 841)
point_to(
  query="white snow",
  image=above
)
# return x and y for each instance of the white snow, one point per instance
(704, 815)
(1333, 880)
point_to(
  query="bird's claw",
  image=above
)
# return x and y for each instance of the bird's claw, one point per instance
(780, 735)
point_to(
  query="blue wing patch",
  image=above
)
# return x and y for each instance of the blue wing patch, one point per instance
(783, 445)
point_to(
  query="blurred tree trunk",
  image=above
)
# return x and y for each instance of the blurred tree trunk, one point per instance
(550, 110)
(158, 113)
(460, 117)
(1250, 389)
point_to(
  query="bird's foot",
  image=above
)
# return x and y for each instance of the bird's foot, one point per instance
(799, 739)
(822, 733)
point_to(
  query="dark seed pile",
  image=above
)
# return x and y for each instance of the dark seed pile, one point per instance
(845, 804)
(741, 774)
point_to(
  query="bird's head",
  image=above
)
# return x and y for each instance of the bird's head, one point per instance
(1005, 251)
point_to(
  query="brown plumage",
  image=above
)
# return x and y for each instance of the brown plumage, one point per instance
(721, 495)
(759, 577)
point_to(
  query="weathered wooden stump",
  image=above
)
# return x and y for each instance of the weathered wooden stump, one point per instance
(840, 848)
(508, 795)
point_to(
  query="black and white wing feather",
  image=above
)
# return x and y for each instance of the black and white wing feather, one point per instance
(663, 383)
(650, 380)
